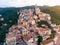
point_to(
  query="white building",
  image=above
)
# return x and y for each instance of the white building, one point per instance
(37, 9)
(10, 39)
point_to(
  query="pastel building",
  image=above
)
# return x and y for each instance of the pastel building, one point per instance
(57, 28)
(10, 39)
(37, 10)
(27, 22)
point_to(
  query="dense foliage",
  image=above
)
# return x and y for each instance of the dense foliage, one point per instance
(39, 24)
(54, 12)
(10, 16)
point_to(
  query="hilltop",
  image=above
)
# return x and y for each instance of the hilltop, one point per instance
(54, 12)
(10, 16)
(12, 11)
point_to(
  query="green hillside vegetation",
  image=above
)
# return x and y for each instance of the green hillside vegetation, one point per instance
(54, 12)
(11, 14)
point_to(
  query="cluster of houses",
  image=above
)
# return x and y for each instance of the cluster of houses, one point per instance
(27, 29)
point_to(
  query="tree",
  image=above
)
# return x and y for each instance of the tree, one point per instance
(52, 35)
(2, 35)
(39, 40)
(39, 24)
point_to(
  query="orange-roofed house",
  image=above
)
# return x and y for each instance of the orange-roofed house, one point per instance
(48, 42)
(20, 25)
(10, 39)
(57, 28)
(41, 31)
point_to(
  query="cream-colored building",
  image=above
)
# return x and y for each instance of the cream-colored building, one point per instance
(10, 39)
(48, 42)
(57, 28)
(44, 16)
(37, 9)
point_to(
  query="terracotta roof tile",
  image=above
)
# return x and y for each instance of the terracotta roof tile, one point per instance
(47, 41)
(9, 35)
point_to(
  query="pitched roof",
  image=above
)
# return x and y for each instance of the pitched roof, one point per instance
(47, 41)
(26, 38)
(10, 35)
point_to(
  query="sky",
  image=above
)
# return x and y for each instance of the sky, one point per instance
(22, 3)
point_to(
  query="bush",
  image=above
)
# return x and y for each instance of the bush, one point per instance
(39, 24)
(52, 34)
(2, 35)
(39, 39)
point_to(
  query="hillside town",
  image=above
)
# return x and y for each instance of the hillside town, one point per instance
(26, 32)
